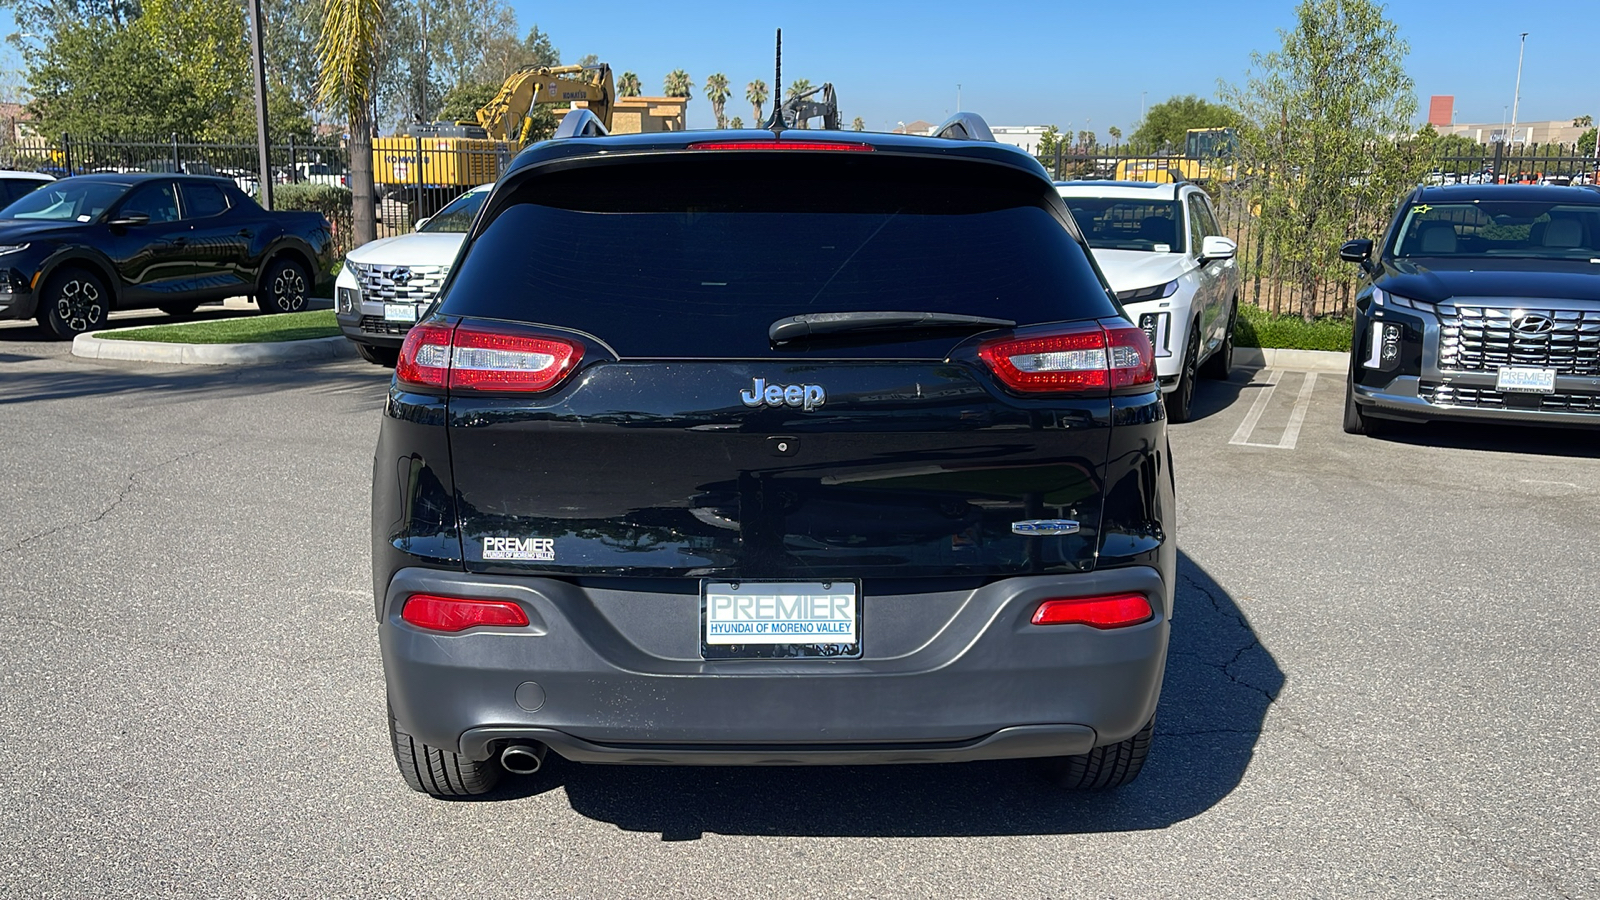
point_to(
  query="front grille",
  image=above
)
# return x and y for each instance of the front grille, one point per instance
(1481, 339)
(1489, 398)
(376, 325)
(399, 284)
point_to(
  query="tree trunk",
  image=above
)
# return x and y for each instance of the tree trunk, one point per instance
(363, 210)
(1308, 299)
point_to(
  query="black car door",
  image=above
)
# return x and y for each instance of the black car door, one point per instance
(218, 240)
(151, 258)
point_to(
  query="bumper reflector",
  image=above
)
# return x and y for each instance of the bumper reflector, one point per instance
(455, 614)
(1114, 611)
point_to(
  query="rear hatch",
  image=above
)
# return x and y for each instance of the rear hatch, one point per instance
(673, 425)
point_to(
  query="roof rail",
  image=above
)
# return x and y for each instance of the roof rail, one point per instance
(580, 123)
(965, 126)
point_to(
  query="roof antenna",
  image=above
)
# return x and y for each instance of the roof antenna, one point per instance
(776, 125)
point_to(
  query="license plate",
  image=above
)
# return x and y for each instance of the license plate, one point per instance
(400, 312)
(1526, 381)
(778, 619)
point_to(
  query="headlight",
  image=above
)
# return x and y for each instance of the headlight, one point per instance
(1381, 297)
(1156, 292)
(12, 248)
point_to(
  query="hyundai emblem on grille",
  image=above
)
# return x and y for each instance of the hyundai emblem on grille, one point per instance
(401, 276)
(1533, 324)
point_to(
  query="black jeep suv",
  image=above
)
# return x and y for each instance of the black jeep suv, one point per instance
(755, 448)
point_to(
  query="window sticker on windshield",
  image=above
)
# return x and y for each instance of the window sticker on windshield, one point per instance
(84, 218)
(1162, 248)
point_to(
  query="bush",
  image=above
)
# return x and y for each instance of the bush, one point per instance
(333, 202)
(1258, 328)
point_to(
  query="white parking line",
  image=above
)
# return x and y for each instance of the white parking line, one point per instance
(1297, 416)
(1242, 436)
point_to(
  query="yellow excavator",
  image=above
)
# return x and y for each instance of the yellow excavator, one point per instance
(506, 118)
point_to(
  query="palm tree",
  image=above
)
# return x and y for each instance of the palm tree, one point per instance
(1116, 134)
(628, 85)
(756, 94)
(677, 84)
(347, 56)
(736, 122)
(717, 92)
(796, 88)
(859, 124)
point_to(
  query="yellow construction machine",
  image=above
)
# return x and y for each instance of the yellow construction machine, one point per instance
(506, 117)
(1207, 153)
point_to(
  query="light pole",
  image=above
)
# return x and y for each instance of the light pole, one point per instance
(261, 104)
(1516, 97)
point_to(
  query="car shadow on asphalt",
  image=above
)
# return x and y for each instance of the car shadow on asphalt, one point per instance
(1496, 437)
(1212, 396)
(1220, 681)
(153, 381)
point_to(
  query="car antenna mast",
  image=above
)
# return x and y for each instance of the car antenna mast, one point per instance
(776, 125)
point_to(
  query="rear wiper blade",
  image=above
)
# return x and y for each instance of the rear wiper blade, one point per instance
(811, 324)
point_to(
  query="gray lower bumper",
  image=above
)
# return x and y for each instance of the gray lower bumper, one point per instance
(1401, 399)
(616, 676)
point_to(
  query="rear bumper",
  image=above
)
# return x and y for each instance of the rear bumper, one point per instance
(607, 675)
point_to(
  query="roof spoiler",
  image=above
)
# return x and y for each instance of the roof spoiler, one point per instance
(965, 126)
(580, 123)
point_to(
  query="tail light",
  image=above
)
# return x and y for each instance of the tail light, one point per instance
(1114, 611)
(475, 358)
(451, 614)
(1090, 358)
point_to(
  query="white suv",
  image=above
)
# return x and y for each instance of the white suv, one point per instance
(385, 285)
(1161, 249)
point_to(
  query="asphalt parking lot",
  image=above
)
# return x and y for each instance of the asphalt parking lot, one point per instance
(1382, 680)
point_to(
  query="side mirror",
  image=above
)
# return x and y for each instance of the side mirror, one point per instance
(1359, 251)
(421, 222)
(1217, 247)
(129, 219)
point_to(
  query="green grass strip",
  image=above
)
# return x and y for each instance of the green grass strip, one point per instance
(1258, 328)
(301, 326)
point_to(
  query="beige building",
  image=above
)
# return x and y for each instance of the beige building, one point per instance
(643, 115)
(1560, 131)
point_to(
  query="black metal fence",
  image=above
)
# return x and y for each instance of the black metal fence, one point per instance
(1234, 190)
(414, 176)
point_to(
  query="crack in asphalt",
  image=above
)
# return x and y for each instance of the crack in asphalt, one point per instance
(1238, 619)
(122, 495)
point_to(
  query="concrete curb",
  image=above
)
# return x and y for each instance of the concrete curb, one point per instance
(1301, 360)
(92, 346)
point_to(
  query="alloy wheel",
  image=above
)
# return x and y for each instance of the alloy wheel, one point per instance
(78, 305)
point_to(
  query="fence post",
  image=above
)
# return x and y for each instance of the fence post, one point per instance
(1058, 159)
(1499, 161)
(418, 214)
(177, 166)
(66, 151)
(294, 171)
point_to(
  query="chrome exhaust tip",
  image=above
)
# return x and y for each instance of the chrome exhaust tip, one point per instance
(523, 759)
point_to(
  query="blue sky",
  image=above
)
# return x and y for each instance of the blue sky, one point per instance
(1022, 62)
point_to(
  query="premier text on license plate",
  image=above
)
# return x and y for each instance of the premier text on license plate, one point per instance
(399, 312)
(1526, 381)
(781, 612)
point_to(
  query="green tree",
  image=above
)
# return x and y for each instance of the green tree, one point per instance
(1116, 134)
(1318, 116)
(677, 84)
(99, 79)
(1583, 122)
(1586, 143)
(504, 54)
(797, 87)
(628, 85)
(717, 92)
(756, 93)
(289, 43)
(858, 124)
(736, 122)
(1165, 124)
(589, 59)
(348, 50)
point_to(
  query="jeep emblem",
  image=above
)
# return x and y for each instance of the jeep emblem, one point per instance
(808, 396)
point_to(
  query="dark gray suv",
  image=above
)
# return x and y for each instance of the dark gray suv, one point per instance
(755, 448)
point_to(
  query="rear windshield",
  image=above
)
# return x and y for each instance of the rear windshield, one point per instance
(1108, 224)
(697, 257)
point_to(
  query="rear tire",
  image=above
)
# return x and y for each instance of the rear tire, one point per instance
(439, 773)
(73, 302)
(1103, 768)
(378, 356)
(1356, 421)
(1220, 365)
(1180, 402)
(285, 288)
